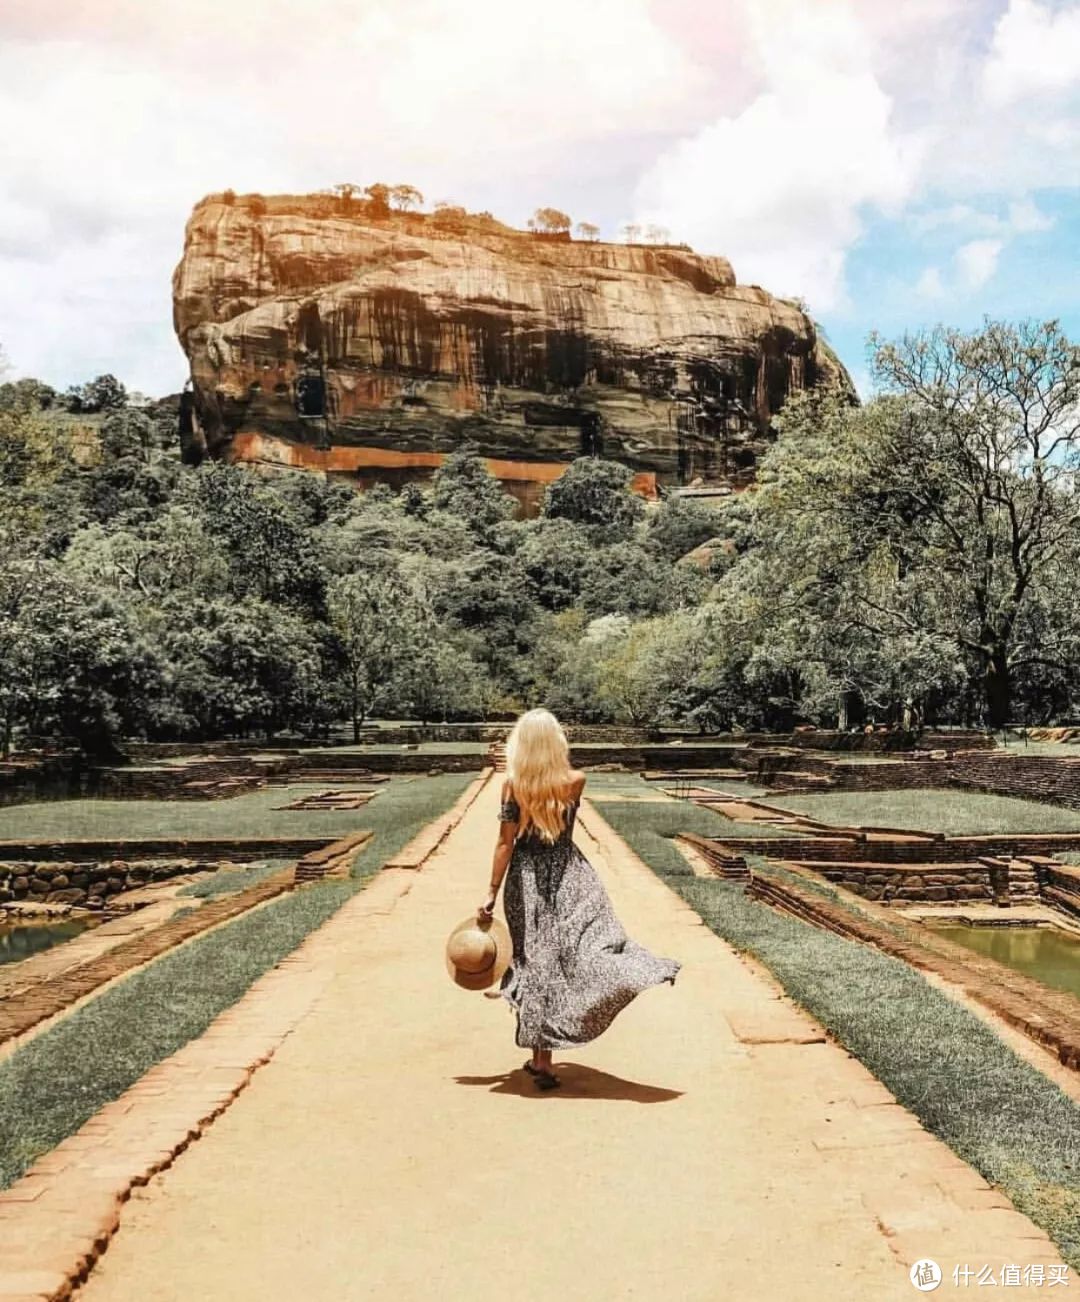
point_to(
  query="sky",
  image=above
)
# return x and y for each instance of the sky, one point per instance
(896, 164)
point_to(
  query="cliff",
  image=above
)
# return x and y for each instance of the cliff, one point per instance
(322, 334)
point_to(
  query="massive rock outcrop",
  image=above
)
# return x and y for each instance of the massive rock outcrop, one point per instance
(329, 334)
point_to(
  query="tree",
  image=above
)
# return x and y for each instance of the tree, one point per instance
(174, 552)
(26, 395)
(406, 197)
(269, 554)
(596, 493)
(24, 637)
(373, 614)
(557, 555)
(96, 676)
(631, 232)
(463, 486)
(588, 231)
(636, 674)
(657, 234)
(626, 578)
(987, 443)
(378, 196)
(933, 522)
(549, 221)
(485, 601)
(106, 393)
(450, 215)
(680, 524)
(238, 668)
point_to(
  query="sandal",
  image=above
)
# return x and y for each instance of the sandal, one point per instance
(545, 1080)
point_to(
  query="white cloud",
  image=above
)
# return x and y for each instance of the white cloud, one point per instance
(1026, 217)
(1035, 51)
(1022, 217)
(128, 114)
(977, 261)
(772, 131)
(780, 188)
(930, 285)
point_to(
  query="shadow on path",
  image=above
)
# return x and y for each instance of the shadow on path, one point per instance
(578, 1082)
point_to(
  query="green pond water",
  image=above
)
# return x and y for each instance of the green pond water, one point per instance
(21, 940)
(1045, 953)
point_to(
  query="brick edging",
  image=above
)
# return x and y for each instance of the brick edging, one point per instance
(1020, 1000)
(23, 1011)
(53, 1234)
(429, 838)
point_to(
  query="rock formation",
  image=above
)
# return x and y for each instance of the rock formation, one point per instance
(325, 333)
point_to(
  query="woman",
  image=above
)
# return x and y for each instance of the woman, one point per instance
(573, 966)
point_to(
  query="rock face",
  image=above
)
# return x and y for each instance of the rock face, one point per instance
(332, 335)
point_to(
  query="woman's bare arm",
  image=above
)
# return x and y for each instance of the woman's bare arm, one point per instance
(504, 849)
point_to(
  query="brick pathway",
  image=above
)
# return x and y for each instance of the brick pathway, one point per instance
(712, 1143)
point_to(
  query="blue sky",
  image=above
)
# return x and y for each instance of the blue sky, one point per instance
(890, 276)
(893, 164)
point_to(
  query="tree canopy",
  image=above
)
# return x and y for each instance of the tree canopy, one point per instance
(910, 559)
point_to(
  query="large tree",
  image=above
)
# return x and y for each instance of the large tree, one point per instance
(980, 466)
(934, 520)
(596, 493)
(375, 615)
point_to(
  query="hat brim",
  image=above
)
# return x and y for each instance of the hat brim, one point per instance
(498, 931)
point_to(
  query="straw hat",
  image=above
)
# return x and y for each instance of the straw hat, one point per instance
(478, 953)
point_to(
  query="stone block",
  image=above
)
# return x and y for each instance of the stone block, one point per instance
(72, 895)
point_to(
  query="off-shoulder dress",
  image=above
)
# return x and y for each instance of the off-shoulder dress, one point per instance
(573, 967)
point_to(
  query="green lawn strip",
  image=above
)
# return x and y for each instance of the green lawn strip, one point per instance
(949, 810)
(669, 818)
(253, 814)
(965, 1085)
(394, 747)
(227, 881)
(60, 1078)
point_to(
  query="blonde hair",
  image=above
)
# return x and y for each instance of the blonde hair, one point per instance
(538, 768)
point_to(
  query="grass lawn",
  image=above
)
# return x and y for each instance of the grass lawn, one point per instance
(60, 1078)
(249, 815)
(227, 881)
(933, 810)
(942, 1062)
(733, 787)
(395, 747)
(664, 820)
(1058, 749)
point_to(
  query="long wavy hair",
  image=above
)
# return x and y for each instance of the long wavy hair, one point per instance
(538, 767)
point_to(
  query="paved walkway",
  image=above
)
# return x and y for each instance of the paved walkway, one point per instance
(710, 1144)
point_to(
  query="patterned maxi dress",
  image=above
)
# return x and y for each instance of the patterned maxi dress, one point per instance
(573, 968)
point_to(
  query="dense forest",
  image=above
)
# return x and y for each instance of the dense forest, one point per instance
(911, 559)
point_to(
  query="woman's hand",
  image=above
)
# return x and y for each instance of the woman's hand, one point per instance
(486, 910)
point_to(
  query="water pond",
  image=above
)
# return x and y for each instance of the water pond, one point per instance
(20, 940)
(1045, 953)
